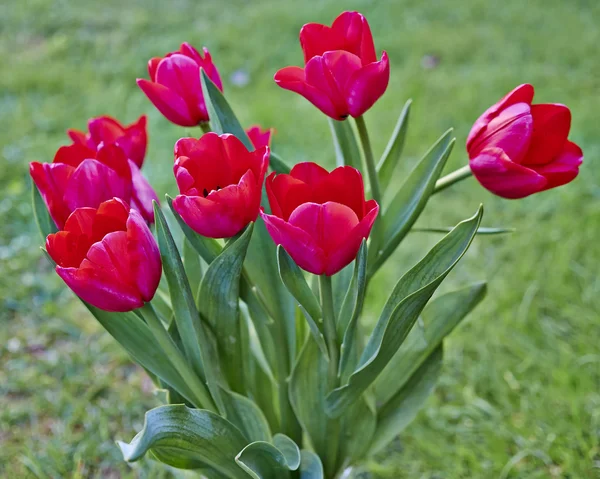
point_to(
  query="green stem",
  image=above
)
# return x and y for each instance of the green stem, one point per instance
(203, 398)
(205, 126)
(333, 425)
(370, 161)
(450, 179)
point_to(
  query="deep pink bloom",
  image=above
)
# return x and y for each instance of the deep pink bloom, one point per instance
(174, 86)
(259, 137)
(106, 130)
(107, 256)
(220, 183)
(83, 177)
(319, 218)
(341, 76)
(517, 149)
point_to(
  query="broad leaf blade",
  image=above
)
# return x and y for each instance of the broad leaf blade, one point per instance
(311, 466)
(344, 142)
(400, 411)
(246, 415)
(411, 198)
(359, 423)
(43, 220)
(393, 151)
(289, 449)
(188, 439)
(439, 318)
(401, 311)
(262, 460)
(277, 164)
(222, 118)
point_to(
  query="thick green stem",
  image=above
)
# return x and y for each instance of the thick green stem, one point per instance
(203, 399)
(205, 126)
(450, 179)
(369, 160)
(333, 425)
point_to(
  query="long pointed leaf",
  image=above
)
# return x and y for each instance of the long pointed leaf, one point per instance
(401, 311)
(40, 212)
(247, 416)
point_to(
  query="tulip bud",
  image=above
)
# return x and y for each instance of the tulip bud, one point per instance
(220, 182)
(319, 218)
(107, 256)
(517, 149)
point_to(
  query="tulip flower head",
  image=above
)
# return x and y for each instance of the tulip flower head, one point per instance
(259, 137)
(517, 149)
(319, 218)
(106, 130)
(341, 76)
(174, 86)
(220, 183)
(85, 177)
(107, 256)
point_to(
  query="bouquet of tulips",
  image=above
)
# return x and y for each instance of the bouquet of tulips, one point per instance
(255, 332)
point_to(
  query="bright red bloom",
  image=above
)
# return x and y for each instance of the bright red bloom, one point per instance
(517, 149)
(319, 218)
(341, 76)
(106, 130)
(220, 182)
(83, 177)
(259, 137)
(107, 256)
(174, 86)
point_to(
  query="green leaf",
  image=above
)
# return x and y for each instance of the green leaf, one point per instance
(411, 198)
(289, 449)
(278, 165)
(344, 142)
(311, 466)
(401, 310)
(43, 220)
(404, 406)
(218, 301)
(360, 422)
(293, 279)
(246, 415)
(262, 460)
(352, 307)
(188, 439)
(222, 118)
(192, 265)
(481, 231)
(207, 248)
(187, 318)
(438, 320)
(393, 150)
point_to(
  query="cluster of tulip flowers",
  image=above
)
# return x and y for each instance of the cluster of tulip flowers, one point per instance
(254, 335)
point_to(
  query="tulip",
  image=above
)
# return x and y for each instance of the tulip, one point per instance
(106, 130)
(107, 256)
(319, 218)
(84, 177)
(220, 183)
(259, 137)
(342, 76)
(174, 86)
(517, 149)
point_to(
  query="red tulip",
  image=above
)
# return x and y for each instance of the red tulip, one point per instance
(107, 256)
(517, 149)
(319, 218)
(341, 76)
(220, 182)
(259, 137)
(174, 86)
(83, 177)
(106, 130)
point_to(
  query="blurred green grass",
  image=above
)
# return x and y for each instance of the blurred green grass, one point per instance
(520, 394)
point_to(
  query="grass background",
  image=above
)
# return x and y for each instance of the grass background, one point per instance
(520, 394)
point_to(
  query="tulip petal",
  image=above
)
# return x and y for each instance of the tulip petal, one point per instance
(551, 125)
(259, 137)
(51, 180)
(293, 79)
(77, 136)
(143, 256)
(73, 155)
(316, 39)
(521, 94)
(309, 172)
(105, 129)
(342, 66)
(115, 158)
(564, 168)
(347, 249)
(286, 193)
(357, 34)
(142, 193)
(169, 103)
(298, 244)
(343, 185)
(497, 173)
(367, 85)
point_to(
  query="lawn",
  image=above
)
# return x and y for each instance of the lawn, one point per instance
(520, 393)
